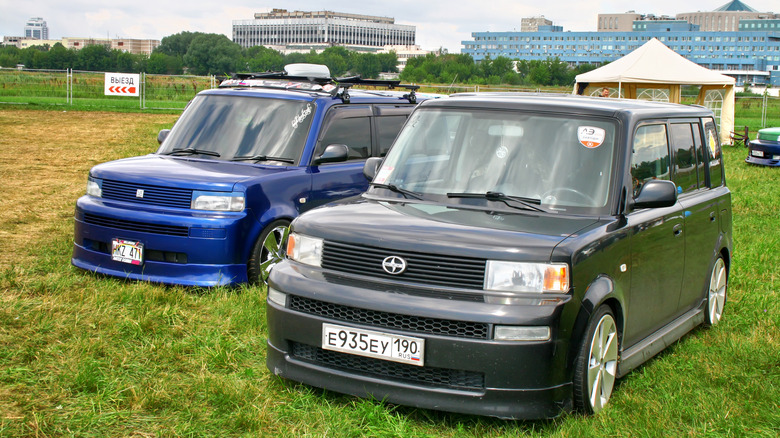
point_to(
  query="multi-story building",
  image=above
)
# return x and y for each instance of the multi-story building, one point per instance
(751, 54)
(36, 28)
(129, 45)
(404, 53)
(532, 24)
(320, 30)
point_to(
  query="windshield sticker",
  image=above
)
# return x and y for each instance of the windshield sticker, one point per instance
(712, 144)
(302, 116)
(382, 175)
(590, 136)
(501, 152)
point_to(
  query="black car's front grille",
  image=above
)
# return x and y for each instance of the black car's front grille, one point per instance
(429, 269)
(146, 194)
(439, 377)
(374, 318)
(404, 289)
(144, 227)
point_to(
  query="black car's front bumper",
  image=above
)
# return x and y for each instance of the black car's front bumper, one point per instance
(468, 372)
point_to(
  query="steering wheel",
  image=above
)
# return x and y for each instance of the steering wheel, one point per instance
(589, 201)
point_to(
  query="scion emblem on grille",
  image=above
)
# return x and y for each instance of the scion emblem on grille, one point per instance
(394, 265)
(139, 193)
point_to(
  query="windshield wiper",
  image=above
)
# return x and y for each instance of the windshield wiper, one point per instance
(262, 158)
(192, 151)
(395, 188)
(526, 203)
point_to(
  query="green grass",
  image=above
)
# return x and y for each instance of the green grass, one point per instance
(85, 355)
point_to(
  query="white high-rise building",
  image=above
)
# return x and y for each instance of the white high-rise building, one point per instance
(321, 29)
(36, 28)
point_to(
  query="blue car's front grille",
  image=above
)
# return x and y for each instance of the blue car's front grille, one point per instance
(147, 194)
(144, 227)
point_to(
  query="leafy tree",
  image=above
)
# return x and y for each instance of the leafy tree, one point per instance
(60, 57)
(160, 63)
(177, 44)
(212, 54)
(9, 56)
(366, 65)
(337, 59)
(260, 58)
(94, 58)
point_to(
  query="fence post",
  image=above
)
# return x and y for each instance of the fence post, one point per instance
(69, 86)
(142, 94)
(763, 109)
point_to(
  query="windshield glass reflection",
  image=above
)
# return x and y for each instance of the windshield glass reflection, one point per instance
(271, 131)
(555, 161)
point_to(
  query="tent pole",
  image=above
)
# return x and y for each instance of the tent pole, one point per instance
(620, 85)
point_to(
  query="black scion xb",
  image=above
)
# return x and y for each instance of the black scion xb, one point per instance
(514, 256)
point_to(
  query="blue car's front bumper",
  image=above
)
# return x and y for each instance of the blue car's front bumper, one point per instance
(185, 248)
(764, 153)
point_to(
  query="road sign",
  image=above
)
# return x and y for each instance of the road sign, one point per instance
(122, 84)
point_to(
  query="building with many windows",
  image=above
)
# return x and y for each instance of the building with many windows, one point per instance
(36, 28)
(320, 30)
(750, 54)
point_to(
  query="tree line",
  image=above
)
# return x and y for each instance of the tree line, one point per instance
(200, 53)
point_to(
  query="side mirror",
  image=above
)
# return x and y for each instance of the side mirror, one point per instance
(163, 135)
(656, 194)
(333, 154)
(372, 167)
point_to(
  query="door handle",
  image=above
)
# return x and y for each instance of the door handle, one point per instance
(712, 216)
(677, 229)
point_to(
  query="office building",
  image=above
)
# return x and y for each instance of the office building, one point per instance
(320, 30)
(751, 53)
(36, 28)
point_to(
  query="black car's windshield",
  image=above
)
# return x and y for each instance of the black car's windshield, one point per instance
(235, 128)
(555, 162)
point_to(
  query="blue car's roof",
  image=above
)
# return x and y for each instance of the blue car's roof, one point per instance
(356, 95)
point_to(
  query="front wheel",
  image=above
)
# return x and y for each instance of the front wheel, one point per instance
(596, 368)
(716, 293)
(268, 251)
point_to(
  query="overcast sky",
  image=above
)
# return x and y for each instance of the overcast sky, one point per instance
(440, 23)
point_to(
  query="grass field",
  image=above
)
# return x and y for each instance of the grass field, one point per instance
(84, 355)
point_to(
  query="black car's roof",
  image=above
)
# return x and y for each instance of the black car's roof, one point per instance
(569, 103)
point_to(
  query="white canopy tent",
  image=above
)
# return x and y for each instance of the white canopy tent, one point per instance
(653, 66)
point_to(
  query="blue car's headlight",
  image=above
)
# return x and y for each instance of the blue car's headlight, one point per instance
(95, 187)
(218, 201)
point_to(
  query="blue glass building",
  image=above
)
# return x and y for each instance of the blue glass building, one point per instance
(751, 55)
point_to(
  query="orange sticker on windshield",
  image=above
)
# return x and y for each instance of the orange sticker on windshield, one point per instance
(590, 136)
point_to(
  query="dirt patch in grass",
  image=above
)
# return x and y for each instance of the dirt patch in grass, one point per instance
(45, 157)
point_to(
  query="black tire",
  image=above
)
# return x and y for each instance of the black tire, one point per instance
(595, 371)
(716, 292)
(268, 251)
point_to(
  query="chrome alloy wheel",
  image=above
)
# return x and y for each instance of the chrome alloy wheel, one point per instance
(273, 250)
(602, 363)
(716, 297)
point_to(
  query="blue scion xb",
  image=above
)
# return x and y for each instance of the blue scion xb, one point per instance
(212, 205)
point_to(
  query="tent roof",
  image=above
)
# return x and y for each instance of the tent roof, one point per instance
(654, 63)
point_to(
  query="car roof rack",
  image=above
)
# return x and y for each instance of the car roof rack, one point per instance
(350, 81)
(313, 78)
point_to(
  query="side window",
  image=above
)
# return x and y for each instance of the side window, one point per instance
(650, 155)
(388, 128)
(701, 158)
(712, 146)
(684, 157)
(354, 132)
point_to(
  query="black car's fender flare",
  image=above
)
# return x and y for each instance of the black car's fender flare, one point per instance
(600, 291)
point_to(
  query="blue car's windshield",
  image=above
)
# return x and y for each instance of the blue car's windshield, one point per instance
(241, 129)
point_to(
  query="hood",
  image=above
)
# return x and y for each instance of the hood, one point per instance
(435, 228)
(182, 172)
